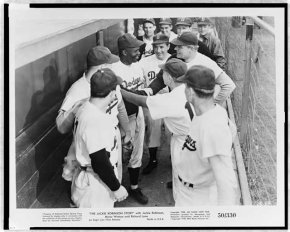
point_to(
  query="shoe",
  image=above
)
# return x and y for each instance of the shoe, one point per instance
(138, 196)
(169, 184)
(151, 165)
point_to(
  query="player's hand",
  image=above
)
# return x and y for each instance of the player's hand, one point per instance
(121, 194)
(127, 138)
(127, 149)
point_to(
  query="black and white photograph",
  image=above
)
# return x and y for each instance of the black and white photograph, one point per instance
(166, 116)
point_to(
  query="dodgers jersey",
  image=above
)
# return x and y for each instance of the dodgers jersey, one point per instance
(132, 75)
(81, 90)
(94, 131)
(150, 67)
(209, 135)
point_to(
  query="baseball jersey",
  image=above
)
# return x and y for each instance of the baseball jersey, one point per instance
(171, 107)
(132, 75)
(209, 135)
(94, 131)
(150, 67)
(81, 90)
(201, 59)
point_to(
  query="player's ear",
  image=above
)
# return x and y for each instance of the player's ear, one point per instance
(124, 52)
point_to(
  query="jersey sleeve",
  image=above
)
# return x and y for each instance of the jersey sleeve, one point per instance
(215, 140)
(160, 106)
(69, 100)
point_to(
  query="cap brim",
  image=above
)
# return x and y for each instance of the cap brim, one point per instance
(177, 42)
(160, 42)
(181, 79)
(185, 24)
(119, 80)
(113, 59)
(136, 43)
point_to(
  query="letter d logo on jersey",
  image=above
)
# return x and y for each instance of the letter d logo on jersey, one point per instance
(189, 144)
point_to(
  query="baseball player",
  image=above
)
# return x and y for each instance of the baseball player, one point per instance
(98, 57)
(149, 30)
(169, 106)
(165, 25)
(95, 183)
(185, 25)
(150, 67)
(211, 41)
(130, 71)
(186, 47)
(204, 168)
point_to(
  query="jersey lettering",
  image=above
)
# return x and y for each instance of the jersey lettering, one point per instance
(111, 106)
(189, 144)
(133, 85)
(151, 75)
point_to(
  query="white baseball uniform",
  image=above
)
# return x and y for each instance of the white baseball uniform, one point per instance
(132, 76)
(150, 69)
(209, 135)
(93, 131)
(80, 90)
(171, 107)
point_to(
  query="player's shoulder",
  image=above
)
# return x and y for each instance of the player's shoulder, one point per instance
(78, 85)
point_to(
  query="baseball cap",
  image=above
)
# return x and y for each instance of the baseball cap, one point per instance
(186, 38)
(175, 67)
(149, 20)
(183, 21)
(129, 41)
(160, 38)
(199, 78)
(100, 55)
(103, 82)
(166, 21)
(204, 21)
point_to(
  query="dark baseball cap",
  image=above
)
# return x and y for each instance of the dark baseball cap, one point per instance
(204, 21)
(165, 21)
(183, 21)
(100, 55)
(103, 82)
(175, 67)
(199, 78)
(128, 41)
(149, 20)
(186, 38)
(160, 38)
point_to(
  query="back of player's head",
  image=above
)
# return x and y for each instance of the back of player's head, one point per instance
(103, 82)
(100, 55)
(201, 79)
(175, 67)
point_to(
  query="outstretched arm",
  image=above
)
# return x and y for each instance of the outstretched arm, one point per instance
(134, 98)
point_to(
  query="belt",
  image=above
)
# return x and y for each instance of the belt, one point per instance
(190, 185)
(84, 168)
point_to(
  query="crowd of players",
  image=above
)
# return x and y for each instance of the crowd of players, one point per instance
(122, 101)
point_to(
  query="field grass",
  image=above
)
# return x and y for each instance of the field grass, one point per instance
(260, 149)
